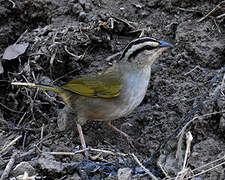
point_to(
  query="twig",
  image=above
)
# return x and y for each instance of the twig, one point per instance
(217, 25)
(9, 166)
(210, 163)
(209, 169)
(214, 167)
(74, 55)
(53, 58)
(18, 40)
(66, 153)
(192, 70)
(146, 170)
(181, 134)
(125, 22)
(24, 140)
(98, 156)
(108, 152)
(42, 134)
(212, 11)
(189, 138)
(84, 150)
(223, 81)
(113, 56)
(182, 174)
(3, 121)
(142, 33)
(187, 10)
(14, 5)
(9, 108)
(38, 150)
(21, 119)
(220, 16)
(20, 129)
(10, 144)
(163, 170)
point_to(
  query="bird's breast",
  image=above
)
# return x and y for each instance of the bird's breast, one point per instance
(133, 91)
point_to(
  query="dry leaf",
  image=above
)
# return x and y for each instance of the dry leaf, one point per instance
(14, 51)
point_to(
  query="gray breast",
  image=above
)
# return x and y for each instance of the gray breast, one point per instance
(134, 88)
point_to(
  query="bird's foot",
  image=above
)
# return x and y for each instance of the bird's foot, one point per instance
(134, 144)
(130, 140)
(82, 139)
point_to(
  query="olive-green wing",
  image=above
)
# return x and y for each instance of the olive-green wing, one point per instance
(105, 85)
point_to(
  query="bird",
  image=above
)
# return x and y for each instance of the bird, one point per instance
(114, 92)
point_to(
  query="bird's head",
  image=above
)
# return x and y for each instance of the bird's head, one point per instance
(144, 51)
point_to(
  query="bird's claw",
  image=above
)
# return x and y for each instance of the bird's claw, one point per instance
(131, 142)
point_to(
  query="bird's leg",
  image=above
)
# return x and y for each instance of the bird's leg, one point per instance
(79, 128)
(129, 139)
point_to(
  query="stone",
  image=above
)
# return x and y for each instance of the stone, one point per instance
(21, 168)
(124, 174)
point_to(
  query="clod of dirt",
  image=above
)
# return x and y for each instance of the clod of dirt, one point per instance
(171, 164)
(78, 157)
(205, 152)
(66, 119)
(204, 48)
(50, 165)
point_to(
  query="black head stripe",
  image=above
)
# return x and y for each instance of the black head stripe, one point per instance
(135, 53)
(136, 42)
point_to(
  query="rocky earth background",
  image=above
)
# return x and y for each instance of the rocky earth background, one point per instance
(59, 40)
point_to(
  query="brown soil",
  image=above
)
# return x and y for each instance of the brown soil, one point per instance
(70, 38)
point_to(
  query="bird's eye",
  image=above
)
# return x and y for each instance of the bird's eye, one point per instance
(148, 47)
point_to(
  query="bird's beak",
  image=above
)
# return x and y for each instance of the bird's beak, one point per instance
(165, 44)
(162, 47)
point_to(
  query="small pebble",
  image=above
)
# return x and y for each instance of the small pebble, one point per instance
(82, 16)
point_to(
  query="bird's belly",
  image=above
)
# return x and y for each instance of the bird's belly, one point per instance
(110, 109)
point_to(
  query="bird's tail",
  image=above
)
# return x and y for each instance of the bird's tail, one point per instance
(66, 95)
(46, 87)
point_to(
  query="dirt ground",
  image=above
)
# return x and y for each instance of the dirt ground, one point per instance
(70, 38)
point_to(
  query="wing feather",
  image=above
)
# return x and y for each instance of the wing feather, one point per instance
(104, 85)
